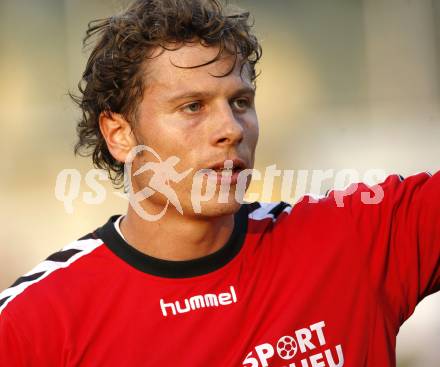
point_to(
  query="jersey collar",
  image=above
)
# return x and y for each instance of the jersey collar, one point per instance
(176, 269)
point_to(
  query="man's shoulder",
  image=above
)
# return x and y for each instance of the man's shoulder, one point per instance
(262, 211)
(53, 276)
(265, 216)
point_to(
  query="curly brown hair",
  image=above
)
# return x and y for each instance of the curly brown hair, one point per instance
(113, 80)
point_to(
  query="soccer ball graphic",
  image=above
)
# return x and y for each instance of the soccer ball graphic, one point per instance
(286, 347)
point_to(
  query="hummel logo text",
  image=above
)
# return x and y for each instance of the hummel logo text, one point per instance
(199, 301)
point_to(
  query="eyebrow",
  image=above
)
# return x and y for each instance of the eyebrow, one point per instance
(207, 95)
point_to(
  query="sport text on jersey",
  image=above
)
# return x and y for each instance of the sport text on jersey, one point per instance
(296, 350)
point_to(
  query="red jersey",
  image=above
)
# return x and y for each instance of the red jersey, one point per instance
(325, 283)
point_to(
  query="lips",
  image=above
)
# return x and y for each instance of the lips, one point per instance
(234, 165)
(228, 170)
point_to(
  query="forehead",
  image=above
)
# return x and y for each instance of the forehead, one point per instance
(181, 68)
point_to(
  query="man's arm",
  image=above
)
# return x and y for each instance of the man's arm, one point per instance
(15, 350)
(400, 236)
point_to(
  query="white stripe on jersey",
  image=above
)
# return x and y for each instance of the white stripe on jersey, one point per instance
(48, 267)
(264, 211)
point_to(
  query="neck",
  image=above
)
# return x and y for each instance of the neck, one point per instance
(177, 237)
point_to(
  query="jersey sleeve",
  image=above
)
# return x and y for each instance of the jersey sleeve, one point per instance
(397, 223)
(15, 350)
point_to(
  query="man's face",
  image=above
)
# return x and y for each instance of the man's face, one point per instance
(199, 117)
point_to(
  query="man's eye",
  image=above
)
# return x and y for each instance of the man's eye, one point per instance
(241, 103)
(192, 107)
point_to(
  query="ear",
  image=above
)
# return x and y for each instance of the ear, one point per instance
(118, 134)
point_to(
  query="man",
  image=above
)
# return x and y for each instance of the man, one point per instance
(169, 90)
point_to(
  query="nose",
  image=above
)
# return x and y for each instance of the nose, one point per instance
(228, 128)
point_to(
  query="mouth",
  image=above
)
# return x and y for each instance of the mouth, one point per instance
(235, 165)
(227, 171)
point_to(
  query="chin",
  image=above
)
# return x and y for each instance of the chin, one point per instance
(220, 209)
(214, 208)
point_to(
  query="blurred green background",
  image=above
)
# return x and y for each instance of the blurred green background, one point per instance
(344, 84)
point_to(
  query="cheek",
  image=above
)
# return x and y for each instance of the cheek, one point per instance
(181, 144)
(256, 131)
(252, 131)
(167, 139)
